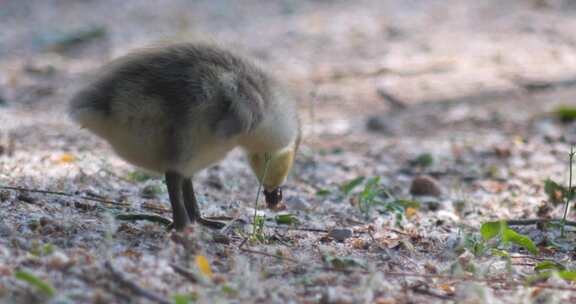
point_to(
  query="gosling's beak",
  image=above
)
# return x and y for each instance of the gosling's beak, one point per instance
(278, 166)
(273, 197)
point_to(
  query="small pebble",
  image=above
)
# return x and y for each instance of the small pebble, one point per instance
(26, 198)
(4, 194)
(377, 124)
(340, 234)
(45, 221)
(150, 191)
(59, 260)
(5, 230)
(221, 238)
(425, 186)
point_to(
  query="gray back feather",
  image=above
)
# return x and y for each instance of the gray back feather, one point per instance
(185, 79)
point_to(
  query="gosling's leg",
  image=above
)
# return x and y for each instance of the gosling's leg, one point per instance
(179, 214)
(192, 206)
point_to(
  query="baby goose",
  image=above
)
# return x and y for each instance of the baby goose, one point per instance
(177, 109)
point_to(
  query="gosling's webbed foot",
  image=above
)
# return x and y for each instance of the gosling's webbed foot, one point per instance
(178, 226)
(211, 224)
(192, 206)
(201, 221)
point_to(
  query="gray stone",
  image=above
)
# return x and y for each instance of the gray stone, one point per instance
(340, 234)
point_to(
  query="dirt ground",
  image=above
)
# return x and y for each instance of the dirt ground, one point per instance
(465, 93)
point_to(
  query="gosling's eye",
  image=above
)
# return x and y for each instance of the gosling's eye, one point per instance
(273, 198)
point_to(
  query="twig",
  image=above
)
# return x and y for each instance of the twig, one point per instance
(279, 238)
(241, 247)
(144, 217)
(88, 198)
(231, 224)
(190, 276)
(309, 229)
(63, 194)
(137, 290)
(423, 289)
(397, 231)
(394, 101)
(269, 255)
(528, 222)
(530, 258)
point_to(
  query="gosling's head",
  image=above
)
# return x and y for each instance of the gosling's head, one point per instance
(272, 169)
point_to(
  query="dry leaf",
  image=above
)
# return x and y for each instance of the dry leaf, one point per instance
(536, 292)
(66, 158)
(410, 212)
(358, 243)
(204, 265)
(448, 288)
(133, 254)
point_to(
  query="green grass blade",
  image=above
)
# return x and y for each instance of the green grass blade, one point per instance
(35, 281)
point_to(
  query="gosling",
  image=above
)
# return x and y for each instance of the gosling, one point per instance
(178, 109)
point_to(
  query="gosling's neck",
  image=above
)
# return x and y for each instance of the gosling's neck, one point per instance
(279, 129)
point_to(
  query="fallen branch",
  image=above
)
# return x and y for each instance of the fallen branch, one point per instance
(144, 217)
(524, 264)
(137, 290)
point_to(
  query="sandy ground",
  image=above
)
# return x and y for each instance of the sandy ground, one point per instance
(473, 84)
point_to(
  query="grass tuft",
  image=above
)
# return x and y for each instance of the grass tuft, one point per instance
(258, 221)
(568, 197)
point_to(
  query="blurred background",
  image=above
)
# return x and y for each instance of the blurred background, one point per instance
(479, 96)
(348, 58)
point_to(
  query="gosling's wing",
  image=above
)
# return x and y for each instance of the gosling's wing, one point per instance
(178, 85)
(240, 104)
(143, 87)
